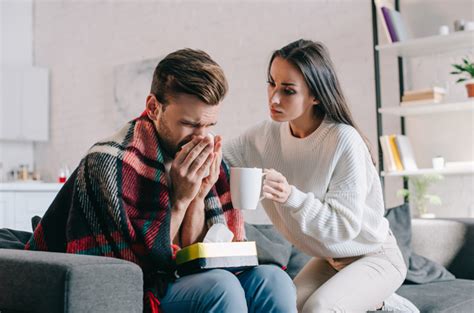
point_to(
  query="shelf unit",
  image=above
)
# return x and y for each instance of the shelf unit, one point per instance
(468, 170)
(428, 109)
(418, 47)
(429, 45)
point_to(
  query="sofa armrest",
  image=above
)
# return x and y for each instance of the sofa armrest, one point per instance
(32, 281)
(449, 242)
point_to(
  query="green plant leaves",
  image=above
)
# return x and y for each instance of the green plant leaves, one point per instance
(466, 67)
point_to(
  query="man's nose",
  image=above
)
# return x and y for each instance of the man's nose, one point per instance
(200, 131)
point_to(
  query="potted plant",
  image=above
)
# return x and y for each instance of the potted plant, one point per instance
(417, 193)
(466, 68)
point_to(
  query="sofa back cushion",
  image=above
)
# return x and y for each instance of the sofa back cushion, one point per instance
(438, 240)
(421, 270)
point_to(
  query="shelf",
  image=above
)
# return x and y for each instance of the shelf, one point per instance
(430, 45)
(423, 171)
(426, 109)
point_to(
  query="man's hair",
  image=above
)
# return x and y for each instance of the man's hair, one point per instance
(192, 72)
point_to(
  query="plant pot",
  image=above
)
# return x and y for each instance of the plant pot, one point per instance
(470, 88)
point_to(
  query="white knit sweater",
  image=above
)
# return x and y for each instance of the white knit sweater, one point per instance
(335, 208)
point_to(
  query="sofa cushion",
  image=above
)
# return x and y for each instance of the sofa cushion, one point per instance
(449, 236)
(274, 249)
(13, 239)
(421, 270)
(36, 281)
(454, 244)
(446, 297)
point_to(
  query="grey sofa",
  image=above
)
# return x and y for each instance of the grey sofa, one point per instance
(52, 282)
(450, 243)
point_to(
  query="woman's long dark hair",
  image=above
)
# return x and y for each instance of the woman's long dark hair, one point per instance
(313, 61)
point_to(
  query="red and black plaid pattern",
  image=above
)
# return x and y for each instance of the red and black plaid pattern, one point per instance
(117, 204)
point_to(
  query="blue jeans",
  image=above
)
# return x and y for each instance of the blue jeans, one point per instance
(265, 288)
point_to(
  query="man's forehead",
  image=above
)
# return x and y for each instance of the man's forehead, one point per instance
(196, 112)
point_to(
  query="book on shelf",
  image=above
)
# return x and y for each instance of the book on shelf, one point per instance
(406, 153)
(423, 96)
(431, 90)
(434, 97)
(389, 24)
(389, 161)
(397, 153)
(421, 102)
(394, 26)
(400, 26)
(379, 4)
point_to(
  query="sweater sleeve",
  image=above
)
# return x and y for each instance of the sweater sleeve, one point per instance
(242, 151)
(338, 216)
(233, 152)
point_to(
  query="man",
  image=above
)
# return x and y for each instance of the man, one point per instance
(158, 185)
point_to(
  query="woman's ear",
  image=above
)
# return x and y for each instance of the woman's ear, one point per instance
(153, 107)
(315, 101)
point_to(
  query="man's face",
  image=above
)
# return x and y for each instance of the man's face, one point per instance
(184, 117)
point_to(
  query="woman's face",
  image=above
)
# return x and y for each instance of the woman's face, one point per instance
(288, 94)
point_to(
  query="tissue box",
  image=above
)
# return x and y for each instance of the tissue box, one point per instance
(233, 256)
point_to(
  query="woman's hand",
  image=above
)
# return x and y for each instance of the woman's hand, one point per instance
(275, 186)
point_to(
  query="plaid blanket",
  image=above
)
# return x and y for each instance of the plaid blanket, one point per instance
(117, 204)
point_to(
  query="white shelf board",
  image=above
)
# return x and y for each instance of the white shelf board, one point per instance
(425, 109)
(430, 45)
(423, 171)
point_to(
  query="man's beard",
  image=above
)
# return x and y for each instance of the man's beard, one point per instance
(164, 136)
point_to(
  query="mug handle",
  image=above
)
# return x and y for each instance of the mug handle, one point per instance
(262, 197)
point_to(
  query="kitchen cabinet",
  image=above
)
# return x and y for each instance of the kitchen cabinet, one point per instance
(19, 202)
(24, 104)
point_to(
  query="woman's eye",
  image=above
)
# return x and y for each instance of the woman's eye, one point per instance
(290, 91)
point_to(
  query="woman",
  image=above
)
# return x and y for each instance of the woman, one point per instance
(322, 191)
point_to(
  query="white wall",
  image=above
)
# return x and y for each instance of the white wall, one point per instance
(16, 49)
(83, 41)
(16, 32)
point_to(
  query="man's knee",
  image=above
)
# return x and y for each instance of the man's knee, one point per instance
(273, 275)
(277, 286)
(222, 292)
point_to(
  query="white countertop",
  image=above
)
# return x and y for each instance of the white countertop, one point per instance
(30, 186)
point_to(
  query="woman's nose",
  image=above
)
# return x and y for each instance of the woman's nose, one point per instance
(274, 98)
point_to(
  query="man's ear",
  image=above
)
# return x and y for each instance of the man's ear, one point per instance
(153, 107)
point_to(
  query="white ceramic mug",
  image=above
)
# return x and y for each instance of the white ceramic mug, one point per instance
(245, 187)
(438, 163)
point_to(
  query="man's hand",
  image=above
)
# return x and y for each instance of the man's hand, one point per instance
(214, 171)
(188, 170)
(194, 226)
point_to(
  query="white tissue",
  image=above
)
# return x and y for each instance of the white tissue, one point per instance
(218, 233)
(211, 136)
(208, 170)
